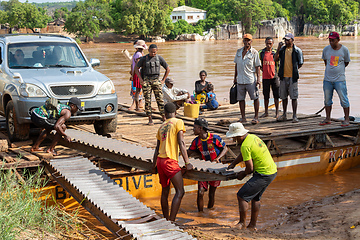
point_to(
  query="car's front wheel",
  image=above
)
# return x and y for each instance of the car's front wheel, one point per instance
(16, 131)
(104, 127)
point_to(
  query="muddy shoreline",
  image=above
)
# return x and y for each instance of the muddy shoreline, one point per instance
(335, 217)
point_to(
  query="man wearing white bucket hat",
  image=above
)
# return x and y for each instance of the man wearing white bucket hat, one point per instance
(260, 163)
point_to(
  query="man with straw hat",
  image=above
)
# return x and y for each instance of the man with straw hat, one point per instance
(260, 163)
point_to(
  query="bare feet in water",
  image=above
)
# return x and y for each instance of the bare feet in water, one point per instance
(252, 228)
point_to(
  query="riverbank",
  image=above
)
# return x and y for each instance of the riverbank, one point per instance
(335, 217)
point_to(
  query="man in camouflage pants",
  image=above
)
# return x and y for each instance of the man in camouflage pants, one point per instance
(149, 79)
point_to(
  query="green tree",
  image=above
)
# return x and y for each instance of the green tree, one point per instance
(15, 13)
(25, 15)
(142, 17)
(181, 27)
(88, 18)
(3, 17)
(341, 13)
(35, 17)
(61, 13)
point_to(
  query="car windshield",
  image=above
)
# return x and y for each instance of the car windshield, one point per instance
(45, 55)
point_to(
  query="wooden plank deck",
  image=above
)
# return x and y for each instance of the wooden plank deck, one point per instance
(300, 136)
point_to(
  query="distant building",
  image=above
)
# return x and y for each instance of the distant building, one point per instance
(189, 14)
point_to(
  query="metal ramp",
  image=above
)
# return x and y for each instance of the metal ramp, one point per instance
(122, 214)
(140, 157)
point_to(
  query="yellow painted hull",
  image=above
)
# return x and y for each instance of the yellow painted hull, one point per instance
(292, 165)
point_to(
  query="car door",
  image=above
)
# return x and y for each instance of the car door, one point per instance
(2, 76)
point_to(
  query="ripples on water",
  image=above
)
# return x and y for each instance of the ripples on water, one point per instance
(186, 59)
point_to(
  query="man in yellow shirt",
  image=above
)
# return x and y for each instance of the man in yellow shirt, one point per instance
(170, 138)
(291, 59)
(260, 163)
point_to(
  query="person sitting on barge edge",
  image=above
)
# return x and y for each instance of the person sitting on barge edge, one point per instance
(53, 119)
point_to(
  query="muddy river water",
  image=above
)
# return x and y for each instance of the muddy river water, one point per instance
(186, 59)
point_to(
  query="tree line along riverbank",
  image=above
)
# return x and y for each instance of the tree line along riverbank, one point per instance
(152, 18)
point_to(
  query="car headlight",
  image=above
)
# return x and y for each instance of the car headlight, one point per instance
(107, 88)
(31, 90)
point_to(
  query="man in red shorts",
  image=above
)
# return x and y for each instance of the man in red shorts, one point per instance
(170, 138)
(212, 148)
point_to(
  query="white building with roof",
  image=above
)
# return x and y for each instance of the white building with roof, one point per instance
(189, 14)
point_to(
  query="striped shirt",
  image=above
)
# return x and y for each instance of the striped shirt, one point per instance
(209, 148)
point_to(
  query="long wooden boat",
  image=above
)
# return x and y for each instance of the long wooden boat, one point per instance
(299, 149)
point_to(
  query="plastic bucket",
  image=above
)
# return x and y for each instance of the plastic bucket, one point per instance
(191, 110)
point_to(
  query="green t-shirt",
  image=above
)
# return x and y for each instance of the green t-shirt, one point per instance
(254, 148)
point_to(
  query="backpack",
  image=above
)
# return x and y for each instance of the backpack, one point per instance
(51, 103)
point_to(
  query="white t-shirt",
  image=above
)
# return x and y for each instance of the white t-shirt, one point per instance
(335, 63)
(171, 95)
(246, 67)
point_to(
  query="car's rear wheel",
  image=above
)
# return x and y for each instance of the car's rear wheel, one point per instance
(16, 131)
(103, 127)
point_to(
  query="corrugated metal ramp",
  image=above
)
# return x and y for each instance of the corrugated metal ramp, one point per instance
(140, 157)
(121, 213)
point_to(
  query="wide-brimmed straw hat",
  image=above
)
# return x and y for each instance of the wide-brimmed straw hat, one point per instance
(140, 44)
(236, 130)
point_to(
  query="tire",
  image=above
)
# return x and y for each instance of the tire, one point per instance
(16, 131)
(103, 127)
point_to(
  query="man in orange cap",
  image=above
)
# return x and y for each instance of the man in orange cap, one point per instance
(247, 64)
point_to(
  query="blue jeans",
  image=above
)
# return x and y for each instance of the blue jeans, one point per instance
(340, 88)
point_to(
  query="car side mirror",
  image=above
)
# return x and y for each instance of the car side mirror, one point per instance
(94, 62)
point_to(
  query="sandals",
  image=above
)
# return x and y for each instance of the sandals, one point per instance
(345, 124)
(324, 122)
(37, 150)
(242, 120)
(282, 118)
(53, 152)
(254, 121)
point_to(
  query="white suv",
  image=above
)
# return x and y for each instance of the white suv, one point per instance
(34, 67)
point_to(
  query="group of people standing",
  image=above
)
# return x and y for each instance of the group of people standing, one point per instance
(280, 72)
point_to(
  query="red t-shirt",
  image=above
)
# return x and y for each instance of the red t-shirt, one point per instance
(268, 66)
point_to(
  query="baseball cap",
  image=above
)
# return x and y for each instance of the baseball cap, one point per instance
(169, 80)
(77, 102)
(334, 35)
(202, 123)
(289, 36)
(248, 36)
